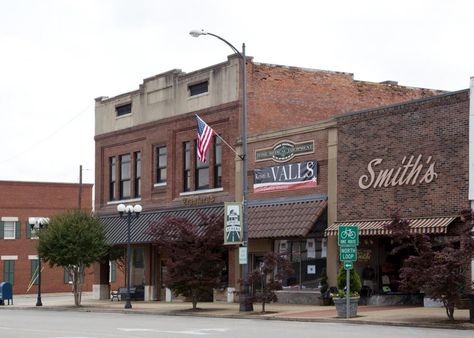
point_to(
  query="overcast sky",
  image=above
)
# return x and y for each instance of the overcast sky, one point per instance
(58, 55)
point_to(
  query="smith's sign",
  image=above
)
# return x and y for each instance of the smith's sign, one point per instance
(284, 151)
(411, 171)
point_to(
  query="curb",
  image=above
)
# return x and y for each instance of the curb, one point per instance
(153, 312)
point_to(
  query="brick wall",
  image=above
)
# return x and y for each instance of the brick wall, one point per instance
(33, 199)
(282, 97)
(436, 127)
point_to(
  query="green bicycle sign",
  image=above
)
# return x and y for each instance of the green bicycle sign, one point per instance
(348, 235)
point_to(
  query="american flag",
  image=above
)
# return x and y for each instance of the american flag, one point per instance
(204, 134)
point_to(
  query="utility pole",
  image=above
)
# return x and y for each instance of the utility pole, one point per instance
(80, 187)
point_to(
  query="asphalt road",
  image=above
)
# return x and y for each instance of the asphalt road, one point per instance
(73, 324)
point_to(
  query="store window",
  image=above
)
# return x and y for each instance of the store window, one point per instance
(161, 164)
(308, 259)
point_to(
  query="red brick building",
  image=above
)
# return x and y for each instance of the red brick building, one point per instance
(22, 204)
(412, 158)
(145, 152)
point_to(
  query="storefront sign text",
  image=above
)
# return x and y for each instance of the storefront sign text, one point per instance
(286, 177)
(284, 151)
(411, 171)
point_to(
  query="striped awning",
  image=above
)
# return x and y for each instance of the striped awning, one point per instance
(116, 228)
(425, 225)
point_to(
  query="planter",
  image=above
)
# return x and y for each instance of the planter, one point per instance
(341, 306)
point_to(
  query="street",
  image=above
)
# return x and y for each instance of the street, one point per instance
(74, 324)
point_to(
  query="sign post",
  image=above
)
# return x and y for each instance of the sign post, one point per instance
(348, 240)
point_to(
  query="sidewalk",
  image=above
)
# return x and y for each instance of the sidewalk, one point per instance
(377, 315)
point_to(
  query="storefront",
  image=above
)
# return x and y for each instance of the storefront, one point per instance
(411, 159)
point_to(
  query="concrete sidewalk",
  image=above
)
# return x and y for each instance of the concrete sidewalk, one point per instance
(377, 315)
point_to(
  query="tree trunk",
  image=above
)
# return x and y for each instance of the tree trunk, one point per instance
(449, 310)
(194, 299)
(76, 284)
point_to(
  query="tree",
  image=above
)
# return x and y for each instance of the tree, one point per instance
(440, 272)
(267, 278)
(73, 240)
(354, 282)
(194, 254)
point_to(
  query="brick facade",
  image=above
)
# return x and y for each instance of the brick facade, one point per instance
(33, 199)
(280, 99)
(436, 127)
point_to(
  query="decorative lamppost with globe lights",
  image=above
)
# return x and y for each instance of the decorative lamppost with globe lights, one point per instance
(36, 225)
(129, 210)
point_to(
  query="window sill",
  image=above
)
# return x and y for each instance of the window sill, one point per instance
(124, 201)
(200, 192)
(159, 185)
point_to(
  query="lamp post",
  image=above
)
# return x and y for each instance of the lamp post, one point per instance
(38, 225)
(129, 210)
(244, 299)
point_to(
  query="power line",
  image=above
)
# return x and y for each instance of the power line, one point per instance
(37, 143)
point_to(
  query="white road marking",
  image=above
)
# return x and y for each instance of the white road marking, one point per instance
(198, 332)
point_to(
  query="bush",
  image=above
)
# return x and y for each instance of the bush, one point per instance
(355, 283)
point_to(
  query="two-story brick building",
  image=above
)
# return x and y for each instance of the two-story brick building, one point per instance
(146, 154)
(23, 204)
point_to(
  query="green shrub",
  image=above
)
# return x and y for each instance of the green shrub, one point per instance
(355, 283)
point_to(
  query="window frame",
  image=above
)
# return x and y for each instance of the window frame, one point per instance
(125, 178)
(123, 109)
(217, 162)
(186, 166)
(198, 88)
(9, 271)
(112, 178)
(161, 173)
(200, 168)
(137, 177)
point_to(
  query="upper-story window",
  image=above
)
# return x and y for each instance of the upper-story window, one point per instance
(9, 228)
(124, 109)
(125, 176)
(217, 162)
(138, 174)
(201, 174)
(161, 164)
(186, 166)
(199, 88)
(112, 178)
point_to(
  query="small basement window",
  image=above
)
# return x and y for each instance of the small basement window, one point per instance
(199, 88)
(124, 109)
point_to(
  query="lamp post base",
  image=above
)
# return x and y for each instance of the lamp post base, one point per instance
(245, 303)
(38, 301)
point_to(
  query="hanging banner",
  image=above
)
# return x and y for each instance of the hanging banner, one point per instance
(233, 223)
(286, 177)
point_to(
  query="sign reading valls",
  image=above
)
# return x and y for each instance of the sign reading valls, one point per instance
(286, 177)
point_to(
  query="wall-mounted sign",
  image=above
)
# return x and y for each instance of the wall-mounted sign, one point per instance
(232, 223)
(284, 151)
(411, 171)
(286, 177)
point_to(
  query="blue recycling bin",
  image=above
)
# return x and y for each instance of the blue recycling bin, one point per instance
(6, 293)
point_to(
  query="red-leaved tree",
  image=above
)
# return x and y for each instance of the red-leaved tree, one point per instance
(440, 272)
(268, 277)
(194, 254)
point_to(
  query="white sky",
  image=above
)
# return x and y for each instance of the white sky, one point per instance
(56, 56)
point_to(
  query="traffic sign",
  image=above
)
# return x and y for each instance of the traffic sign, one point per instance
(348, 265)
(348, 253)
(348, 235)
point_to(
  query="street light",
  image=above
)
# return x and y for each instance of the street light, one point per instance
(136, 209)
(244, 299)
(38, 224)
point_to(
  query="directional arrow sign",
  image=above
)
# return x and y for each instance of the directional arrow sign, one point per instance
(348, 265)
(348, 253)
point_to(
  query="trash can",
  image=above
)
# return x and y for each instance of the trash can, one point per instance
(471, 308)
(6, 293)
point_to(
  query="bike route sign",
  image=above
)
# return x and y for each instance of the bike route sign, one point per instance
(348, 235)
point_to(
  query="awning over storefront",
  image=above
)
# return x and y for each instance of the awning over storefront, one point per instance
(284, 218)
(426, 225)
(116, 227)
